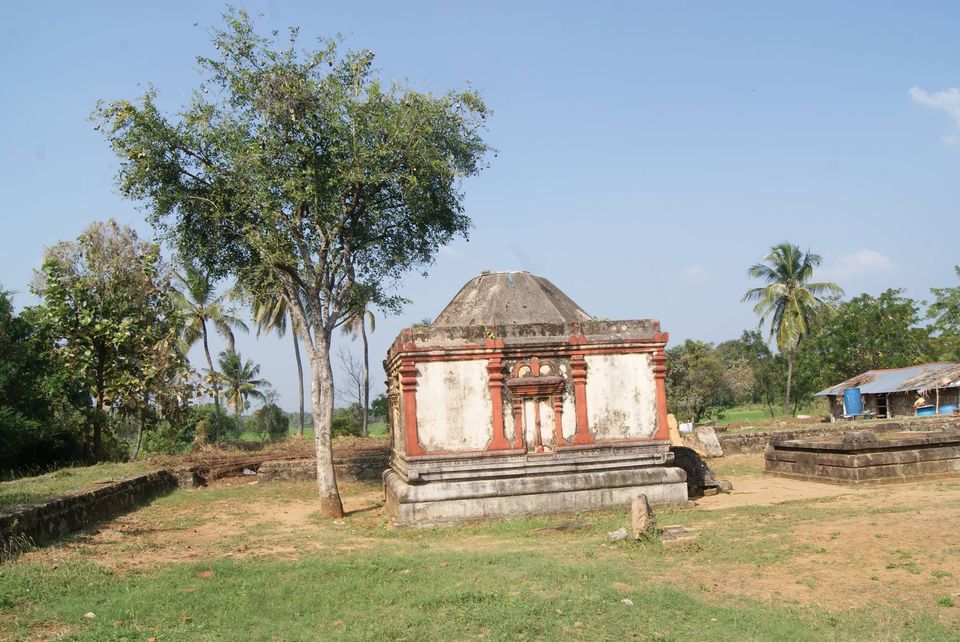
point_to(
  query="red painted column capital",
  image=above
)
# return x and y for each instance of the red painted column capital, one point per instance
(660, 377)
(408, 387)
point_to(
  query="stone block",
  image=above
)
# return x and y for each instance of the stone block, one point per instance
(644, 520)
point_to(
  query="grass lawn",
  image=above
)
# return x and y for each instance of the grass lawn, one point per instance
(256, 562)
(759, 413)
(745, 414)
(67, 480)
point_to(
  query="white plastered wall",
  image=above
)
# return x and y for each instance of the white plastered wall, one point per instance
(621, 396)
(454, 409)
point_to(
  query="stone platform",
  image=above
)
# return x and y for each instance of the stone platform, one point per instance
(437, 490)
(862, 458)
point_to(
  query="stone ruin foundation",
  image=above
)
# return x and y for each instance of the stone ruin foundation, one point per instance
(515, 401)
(863, 457)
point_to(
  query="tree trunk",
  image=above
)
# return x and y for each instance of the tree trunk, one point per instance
(98, 414)
(296, 351)
(321, 397)
(237, 408)
(213, 379)
(136, 451)
(786, 402)
(366, 378)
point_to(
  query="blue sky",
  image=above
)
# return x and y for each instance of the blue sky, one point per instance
(648, 153)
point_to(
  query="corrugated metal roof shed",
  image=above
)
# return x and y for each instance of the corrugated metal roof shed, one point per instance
(926, 376)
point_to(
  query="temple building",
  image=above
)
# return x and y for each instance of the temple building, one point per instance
(516, 401)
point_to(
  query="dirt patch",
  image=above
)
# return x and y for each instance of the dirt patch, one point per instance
(767, 491)
(234, 527)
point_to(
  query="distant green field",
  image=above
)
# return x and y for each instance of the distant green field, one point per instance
(745, 414)
(759, 412)
(377, 429)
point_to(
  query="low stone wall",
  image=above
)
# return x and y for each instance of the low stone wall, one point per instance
(860, 458)
(40, 522)
(355, 465)
(756, 442)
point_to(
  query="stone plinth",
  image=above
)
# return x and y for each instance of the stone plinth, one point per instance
(861, 458)
(431, 491)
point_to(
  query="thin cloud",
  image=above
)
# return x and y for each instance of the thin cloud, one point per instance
(947, 100)
(695, 274)
(856, 264)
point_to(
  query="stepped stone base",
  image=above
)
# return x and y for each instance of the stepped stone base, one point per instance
(861, 458)
(438, 490)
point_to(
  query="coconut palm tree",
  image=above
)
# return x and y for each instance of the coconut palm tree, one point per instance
(201, 306)
(789, 299)
(356, 324)
(270, 315)
(240, 381)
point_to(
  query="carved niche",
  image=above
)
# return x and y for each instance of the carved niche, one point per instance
(536, 381)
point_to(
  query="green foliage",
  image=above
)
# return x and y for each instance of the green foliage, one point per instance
(698, 386)
(300, 173)
(945, 313)
(201, 307)
(758, 375)
(270, 422)
(240, 382)
(378, 407)
(792, 302)
(866, 333)
(39, 428)
(109, 308)
(788, 298)
(348, 422)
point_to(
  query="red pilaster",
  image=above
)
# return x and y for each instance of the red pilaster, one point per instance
(408, 387)
(495, 382)
(579, 374)
(660, 376)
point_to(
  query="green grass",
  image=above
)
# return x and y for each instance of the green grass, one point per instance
(745, 414)
(755, 413)
(423, 595)
(67, 480)
(518, 579)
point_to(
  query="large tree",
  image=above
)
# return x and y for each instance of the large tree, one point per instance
(790, 299)
(201, 307)
(697, 383)
(945, 315)
(109, 305)
(301, 173)
(866, 333)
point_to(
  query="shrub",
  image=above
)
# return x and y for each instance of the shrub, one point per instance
(347, 422)
(270, 422)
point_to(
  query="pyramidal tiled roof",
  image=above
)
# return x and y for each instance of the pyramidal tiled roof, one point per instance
(505, 298)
